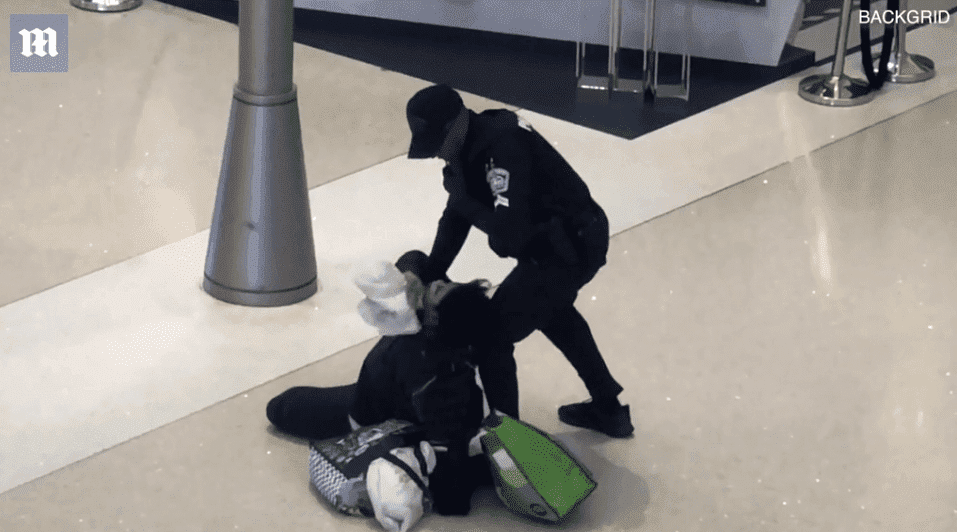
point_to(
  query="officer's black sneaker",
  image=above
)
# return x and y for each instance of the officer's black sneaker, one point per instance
(615, 422)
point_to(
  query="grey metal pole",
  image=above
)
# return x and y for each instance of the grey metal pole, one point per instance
(261, 250)
(650, 73)
(837, 89)
(902, 66)
(615, 81)
(614, 42)
(592, 89)
(840, 48)
(265, 47)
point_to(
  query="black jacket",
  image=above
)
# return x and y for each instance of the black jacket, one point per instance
(403, 378)
(407, 377)
(515, 187)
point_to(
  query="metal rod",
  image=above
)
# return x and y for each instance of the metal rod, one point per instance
(614, 41)
(578, 59)
(650, 77)
(266, 53)
(840, 50)
(656, 70)
(580, 45)
(900, 33)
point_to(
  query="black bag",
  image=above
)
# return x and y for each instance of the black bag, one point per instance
(449, 405)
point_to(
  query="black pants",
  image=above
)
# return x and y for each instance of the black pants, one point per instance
(313, 413)
(541, 296)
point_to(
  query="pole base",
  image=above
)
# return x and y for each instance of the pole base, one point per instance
(106, 6)
(909, 68)
(260, 299)
(261, 251)
(835, 91)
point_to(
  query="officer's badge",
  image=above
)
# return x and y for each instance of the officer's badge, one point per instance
(523, 124)
(497, 180)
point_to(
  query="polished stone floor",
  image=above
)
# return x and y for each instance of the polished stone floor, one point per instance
(779, 301)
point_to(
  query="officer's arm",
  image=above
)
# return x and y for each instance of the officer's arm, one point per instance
(510, 224)
(462, 203)
(449, 238)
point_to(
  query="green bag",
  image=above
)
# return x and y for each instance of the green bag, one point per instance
(534, 475)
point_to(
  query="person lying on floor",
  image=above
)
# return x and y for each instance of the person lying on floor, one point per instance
(425, 375)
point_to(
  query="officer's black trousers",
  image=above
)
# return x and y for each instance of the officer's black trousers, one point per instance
(541, 296)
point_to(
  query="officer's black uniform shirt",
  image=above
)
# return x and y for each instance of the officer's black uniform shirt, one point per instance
(511, 182)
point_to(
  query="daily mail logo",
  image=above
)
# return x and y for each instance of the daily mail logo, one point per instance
(39, 43)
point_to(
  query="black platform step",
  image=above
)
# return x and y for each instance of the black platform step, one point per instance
(527, 72)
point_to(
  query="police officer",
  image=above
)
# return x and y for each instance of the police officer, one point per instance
(505, 179)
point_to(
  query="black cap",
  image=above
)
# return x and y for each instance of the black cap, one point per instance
(430, 112)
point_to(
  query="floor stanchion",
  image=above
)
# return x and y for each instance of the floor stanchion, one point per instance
(261, 250)
(837, 89)
(591, 88)
(904, 67)
(106, 6)
(648, 84)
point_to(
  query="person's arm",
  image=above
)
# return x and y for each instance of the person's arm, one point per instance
(450, 236)
(376, 387)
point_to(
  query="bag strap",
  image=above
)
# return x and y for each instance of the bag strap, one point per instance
(423, 463)
(408, 470)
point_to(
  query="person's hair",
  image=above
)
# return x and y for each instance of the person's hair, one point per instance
(465, 316)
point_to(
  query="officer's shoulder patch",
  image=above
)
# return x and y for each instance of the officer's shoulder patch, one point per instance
(497, 180)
